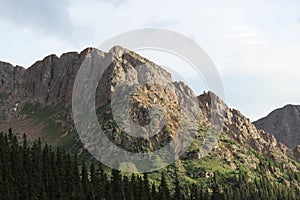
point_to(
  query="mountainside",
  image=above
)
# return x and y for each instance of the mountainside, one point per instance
(38, 100)
(284, 124)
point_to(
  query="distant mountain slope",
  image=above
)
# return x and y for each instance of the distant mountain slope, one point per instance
(284, 124)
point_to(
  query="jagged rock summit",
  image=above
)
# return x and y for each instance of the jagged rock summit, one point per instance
(38, 101)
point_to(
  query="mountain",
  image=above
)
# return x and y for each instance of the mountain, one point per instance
(38, 101)
(284, 124)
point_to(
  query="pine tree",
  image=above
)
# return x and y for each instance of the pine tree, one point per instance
(104, 193)
(128, 194)
(153, 192)
(146, 187)
(86, 188)
(78, 192)
(135, 187)
(177, 194)
(95, 183)
(7, 177)
(164, 193)
(116, 185)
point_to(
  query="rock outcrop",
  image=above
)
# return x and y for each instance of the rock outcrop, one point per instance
(238, 128)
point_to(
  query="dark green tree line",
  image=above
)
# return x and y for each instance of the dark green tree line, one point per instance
(29, 172)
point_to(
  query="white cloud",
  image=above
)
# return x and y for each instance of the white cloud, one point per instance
(46, 16)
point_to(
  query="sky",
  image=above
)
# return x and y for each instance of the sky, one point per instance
(255, 45)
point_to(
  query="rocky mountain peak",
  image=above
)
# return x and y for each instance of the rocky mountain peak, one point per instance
(284, 124)
(49, 83)
(137, 96)
(239, 128)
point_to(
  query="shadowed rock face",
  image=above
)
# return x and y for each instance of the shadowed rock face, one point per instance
(284, 124)
(48, 81)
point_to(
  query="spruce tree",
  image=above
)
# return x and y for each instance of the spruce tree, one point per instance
(177, 193)
(116, 185)
(86, 188)
(164, 193)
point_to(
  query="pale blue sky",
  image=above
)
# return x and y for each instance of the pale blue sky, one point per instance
(255, 45)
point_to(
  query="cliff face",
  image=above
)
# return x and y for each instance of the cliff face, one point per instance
(284, 124)
(49, 81)
(243, 134)
(37, 101)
